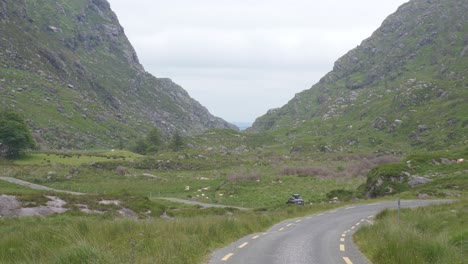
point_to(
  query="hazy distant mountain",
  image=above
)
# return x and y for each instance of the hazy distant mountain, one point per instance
(68, 67)
(406, 85)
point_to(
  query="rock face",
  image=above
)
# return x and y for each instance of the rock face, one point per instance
(412, 69)
(71, 71)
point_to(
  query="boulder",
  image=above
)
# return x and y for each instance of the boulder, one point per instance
(417, 181)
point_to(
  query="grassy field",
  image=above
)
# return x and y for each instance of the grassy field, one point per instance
(261, 180)
(435, 234)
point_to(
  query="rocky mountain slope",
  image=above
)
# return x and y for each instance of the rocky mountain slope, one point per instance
(405, 86)
(68, 67)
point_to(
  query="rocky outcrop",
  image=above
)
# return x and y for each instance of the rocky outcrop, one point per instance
(80, 69)
(411, 70)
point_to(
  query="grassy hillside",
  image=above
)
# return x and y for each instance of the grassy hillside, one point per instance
(403, 88)
(68, 67)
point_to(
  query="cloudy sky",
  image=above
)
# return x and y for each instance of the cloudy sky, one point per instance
(240, 58)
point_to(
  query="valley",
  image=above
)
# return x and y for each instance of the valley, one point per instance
(102, 162)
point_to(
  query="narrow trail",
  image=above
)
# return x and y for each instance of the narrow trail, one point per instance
(36, 186)
(177, 200)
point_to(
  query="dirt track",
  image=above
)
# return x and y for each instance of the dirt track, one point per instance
(36, 186)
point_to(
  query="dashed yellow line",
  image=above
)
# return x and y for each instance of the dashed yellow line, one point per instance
(227, 257)
(347, 260)
(342, 248)
(243, 245)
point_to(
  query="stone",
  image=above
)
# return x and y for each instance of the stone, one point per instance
(423, 196)
(417, 181)
(422, 128)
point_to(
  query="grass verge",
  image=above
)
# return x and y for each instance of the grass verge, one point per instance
(433, 234)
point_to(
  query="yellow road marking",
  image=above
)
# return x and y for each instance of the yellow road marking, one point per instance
(227, 257)
(347, 260)
(255, 237)
(342, 247)
(243, 245)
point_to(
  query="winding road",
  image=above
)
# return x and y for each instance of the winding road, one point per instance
(323, 238)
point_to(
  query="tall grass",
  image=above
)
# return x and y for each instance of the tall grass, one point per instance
(74, 238)
(435, 234)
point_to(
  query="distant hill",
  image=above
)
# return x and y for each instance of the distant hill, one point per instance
(404, 87)
(68, 67)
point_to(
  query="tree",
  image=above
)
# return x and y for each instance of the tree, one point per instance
(153, 140)
(177, 142)
(14, 134)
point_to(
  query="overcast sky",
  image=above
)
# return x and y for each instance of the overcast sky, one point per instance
(240, 58)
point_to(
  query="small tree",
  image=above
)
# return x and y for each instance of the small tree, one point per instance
(153, 140)
(177, 142)
(14, 134)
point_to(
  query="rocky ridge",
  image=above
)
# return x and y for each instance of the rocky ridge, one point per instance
(71, 71)
(405, 83)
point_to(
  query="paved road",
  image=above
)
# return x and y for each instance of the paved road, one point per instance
(206, 205)
(320, 238)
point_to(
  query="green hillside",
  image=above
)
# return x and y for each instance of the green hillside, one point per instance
(68, 67)
(404, 87)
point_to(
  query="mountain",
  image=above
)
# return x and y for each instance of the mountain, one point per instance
(69, 69)
(404, 87)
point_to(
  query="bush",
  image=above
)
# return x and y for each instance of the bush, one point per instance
(342, 194)
(386, 179)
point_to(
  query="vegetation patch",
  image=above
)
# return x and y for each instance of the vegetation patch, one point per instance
(433, 234)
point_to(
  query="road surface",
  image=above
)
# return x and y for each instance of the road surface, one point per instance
(206, 205)
(323, 238)
(35, 186)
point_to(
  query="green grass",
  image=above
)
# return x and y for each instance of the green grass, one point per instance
(434, 234)
(75, 238)
(262, 180)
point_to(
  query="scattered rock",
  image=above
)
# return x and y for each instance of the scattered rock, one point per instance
(417, 181)
(54, 29)
(422, 128)
(165, 216)
(380, 123)
(121, 170)
(423, 196)
(107, 202)
(127, 213)
(446, 161)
